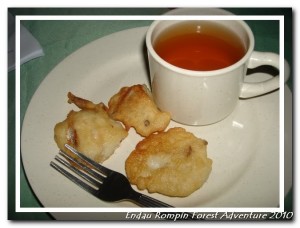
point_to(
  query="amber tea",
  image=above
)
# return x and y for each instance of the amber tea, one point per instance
(199, 46)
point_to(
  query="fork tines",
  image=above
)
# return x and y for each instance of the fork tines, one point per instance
(90, 177)
(91, 162)
(100, 181)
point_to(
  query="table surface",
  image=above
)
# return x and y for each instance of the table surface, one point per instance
(60, 38)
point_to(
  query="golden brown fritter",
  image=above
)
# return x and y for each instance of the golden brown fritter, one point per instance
(134, 107)
(85, 104)
(173, 163)
(90, 130)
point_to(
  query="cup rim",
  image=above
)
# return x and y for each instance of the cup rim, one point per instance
(200, 73)
(198, 11)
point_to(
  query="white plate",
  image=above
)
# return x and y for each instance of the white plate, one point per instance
(244, 147)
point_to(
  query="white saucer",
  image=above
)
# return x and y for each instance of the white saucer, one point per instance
(244, 147)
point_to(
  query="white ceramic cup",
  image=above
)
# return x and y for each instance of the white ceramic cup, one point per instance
(206, 97)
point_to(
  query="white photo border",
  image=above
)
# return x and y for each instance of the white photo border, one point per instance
(18, 207)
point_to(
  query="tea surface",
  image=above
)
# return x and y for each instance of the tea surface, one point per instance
(199, 46)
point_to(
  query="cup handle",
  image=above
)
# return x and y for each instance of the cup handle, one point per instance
(263, 58)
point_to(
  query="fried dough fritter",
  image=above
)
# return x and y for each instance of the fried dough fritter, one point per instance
(134, 107)
(85, 104)
(172, 163)
(90, 130)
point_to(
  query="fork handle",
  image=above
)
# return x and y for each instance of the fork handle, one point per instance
(151, 202)
(148, 201)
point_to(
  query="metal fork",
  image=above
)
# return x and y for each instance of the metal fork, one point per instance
(103, 183)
